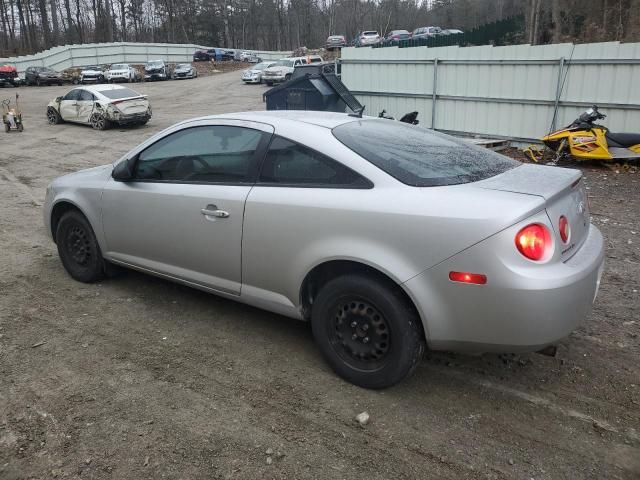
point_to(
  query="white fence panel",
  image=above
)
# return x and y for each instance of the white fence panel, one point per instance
(510, 91)
(68, 56)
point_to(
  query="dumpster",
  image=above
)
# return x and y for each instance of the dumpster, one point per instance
(313, 87)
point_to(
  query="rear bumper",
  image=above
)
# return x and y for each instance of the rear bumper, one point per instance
(131, 119)
(519, 309)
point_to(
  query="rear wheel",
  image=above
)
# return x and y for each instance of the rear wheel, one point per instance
(78, 248)
(7, 127)
(20, 127)
(367, 331)
(99, 122)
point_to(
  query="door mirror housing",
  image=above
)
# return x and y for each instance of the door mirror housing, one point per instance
(58, 99)
(123, 171)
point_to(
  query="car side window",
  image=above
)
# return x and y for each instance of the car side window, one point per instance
(289, 163)
(72, 95)
(86, 96)
(207, 154)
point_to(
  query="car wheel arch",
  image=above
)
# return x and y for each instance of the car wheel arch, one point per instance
(58, 210)
(326, 271)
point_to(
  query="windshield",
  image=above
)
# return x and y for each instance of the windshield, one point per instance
(369, 34)
(120, 66)
(183, 65)
(155, 63)
(92, 67)
(117, 93)
(283, 63)
(261, 66)
(420, 157)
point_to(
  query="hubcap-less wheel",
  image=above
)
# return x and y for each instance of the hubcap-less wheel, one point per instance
(360, 334)
(78, 245)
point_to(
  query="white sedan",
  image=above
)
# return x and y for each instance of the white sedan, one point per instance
(100, 106)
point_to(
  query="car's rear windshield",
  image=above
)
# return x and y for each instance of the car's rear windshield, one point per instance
(117, 93)
(370, 33)
(420, 157)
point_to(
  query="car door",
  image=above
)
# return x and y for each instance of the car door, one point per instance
(182, 214)
(69, 106)
(85, 103)
(296, 201)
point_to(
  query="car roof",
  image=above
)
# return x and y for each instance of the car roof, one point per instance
(320, 119)
(101, 88)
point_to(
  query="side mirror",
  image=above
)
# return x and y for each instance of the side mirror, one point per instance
(123, 171)
(58, 99)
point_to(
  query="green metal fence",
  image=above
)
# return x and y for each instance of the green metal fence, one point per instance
(503, 32)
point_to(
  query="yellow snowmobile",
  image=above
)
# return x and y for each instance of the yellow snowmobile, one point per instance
(585, 140)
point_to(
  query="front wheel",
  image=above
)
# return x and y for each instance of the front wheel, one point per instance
(78, 248)
(53, 117)
(367, 331)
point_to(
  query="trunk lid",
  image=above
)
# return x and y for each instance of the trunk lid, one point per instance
(132, 106)
(565, 195)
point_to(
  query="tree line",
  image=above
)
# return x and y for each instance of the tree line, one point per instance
(28, 26)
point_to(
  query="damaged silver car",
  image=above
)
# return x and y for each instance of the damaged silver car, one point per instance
(100, 106)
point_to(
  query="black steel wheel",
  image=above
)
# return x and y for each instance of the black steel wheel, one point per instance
(367, 330)
(78, 248)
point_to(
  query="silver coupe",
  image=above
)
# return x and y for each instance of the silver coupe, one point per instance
(389, 238)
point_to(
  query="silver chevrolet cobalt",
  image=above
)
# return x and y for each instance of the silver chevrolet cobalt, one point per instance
(387, 237)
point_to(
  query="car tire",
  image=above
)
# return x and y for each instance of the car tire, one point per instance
(99, 122)
(287, 77)
(78, 248)
(53, 117)
(269, 84)
(20, 127)
(7, 127)
(367, 331)
(38, 82)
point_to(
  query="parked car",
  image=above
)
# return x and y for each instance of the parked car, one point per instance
(246, 55)
(254, 74)
(204, 55)
(92, 74)
(387, 237)
(426, 32)
(122, 72)
(452, 31)
(367, 38)
(156, 70)
(42, 76)
(282, 70)
(336, 41)
(9, 76)
(394, 37)
(100, 106)
(184, 70)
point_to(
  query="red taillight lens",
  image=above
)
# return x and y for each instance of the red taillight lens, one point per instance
(465, 277)
(533, 240)
(564, 229)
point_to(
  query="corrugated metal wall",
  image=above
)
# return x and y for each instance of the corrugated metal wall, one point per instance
(499, 91)
(67, 56)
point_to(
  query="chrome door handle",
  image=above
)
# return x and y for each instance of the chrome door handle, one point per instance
(207, 212)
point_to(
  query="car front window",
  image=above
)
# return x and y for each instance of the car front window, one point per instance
(207, 154)
(420, 157)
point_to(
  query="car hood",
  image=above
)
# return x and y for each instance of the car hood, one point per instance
(118, 71)
(83, 177)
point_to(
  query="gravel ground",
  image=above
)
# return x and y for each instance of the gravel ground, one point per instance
(140, 378)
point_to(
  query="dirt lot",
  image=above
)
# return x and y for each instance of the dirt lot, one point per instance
(139, 378)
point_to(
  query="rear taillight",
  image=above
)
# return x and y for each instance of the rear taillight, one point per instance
(565, 230)
(533, 241)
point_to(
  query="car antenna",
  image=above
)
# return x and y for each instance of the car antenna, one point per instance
(358, 113)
